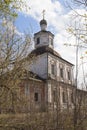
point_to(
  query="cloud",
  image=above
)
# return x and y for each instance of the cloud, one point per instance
(36, 7)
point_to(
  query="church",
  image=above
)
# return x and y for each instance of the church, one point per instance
(51, 82)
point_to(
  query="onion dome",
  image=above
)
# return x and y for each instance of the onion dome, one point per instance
(43, 24)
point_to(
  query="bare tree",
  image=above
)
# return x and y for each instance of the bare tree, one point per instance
(78, 29)
(14, 50)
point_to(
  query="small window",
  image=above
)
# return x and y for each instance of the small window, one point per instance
(38, 40)
(54, 95)
(64, 97)
(52, 42)
(53, 69)
(61, 72)
(72, 99)
(68, 74)
(36, 97)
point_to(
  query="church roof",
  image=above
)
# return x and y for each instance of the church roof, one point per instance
(44, 49)
(35, 76)
(44, 31)
(31, 75)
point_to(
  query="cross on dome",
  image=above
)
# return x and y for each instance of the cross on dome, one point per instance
(43, 22)
(43, 12)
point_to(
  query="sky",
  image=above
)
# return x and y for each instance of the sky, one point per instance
(58, 14)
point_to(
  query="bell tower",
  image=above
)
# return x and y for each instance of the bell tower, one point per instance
(43, 37)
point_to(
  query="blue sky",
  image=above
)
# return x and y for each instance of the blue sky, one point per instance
(26, 24)
(58, 16)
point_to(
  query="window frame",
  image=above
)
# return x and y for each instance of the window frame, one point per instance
(61, 73)
(54, 95)
(26, 89)
(69, 75)
(36, 96)
(38, 40)
(64, 97)
(52, 69)
(72, 97)
(51, 41)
